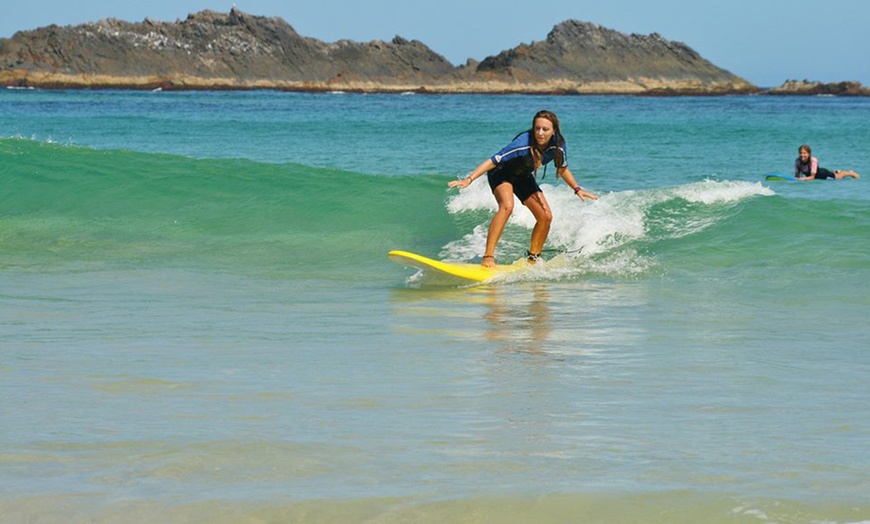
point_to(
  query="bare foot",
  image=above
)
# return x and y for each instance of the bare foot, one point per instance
(488, 261)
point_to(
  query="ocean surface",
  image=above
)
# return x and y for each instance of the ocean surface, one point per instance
(199, 323)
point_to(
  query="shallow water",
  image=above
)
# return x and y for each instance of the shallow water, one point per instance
(199, 322)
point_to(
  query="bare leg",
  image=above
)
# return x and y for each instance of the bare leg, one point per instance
(504, 196)
(846, 174)
(539, 207)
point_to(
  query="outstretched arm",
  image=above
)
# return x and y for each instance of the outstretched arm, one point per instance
(569, 179)
(479, 171)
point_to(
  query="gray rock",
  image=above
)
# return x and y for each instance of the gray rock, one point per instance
(237, 50)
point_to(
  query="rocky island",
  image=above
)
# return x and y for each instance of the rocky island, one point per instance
(806, 87)
(235, 50)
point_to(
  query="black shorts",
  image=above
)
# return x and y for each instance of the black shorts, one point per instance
(823, 173)
(524, 185)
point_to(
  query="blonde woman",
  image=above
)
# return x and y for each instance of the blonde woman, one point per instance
(512, 171)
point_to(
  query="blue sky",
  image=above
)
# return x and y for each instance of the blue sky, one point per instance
(764, 41)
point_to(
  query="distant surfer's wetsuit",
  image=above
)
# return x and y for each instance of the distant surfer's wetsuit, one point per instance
(802, 169)
(514, 164)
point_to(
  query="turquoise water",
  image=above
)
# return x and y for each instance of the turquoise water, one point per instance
(198, 322)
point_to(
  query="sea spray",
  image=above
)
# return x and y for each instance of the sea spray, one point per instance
(609, 235)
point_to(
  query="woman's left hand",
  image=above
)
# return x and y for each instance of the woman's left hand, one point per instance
(585, 194)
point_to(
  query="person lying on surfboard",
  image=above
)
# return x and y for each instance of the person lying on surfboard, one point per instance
(806, 167)
(512, 171)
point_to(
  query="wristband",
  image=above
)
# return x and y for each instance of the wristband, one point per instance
(577, 189)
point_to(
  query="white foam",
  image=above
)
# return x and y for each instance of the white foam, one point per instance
(713, 192)
(476, 197)
(600, 230)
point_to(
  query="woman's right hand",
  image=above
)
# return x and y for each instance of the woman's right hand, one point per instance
(462, 184)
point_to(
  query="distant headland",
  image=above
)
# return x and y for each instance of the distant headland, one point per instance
(235, 51)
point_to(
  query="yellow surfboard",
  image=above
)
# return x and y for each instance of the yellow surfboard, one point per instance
(466, 271)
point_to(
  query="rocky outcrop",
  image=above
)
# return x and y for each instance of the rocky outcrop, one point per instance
(806, 87)
(588, 52)
(235, 47)
(210, 50)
